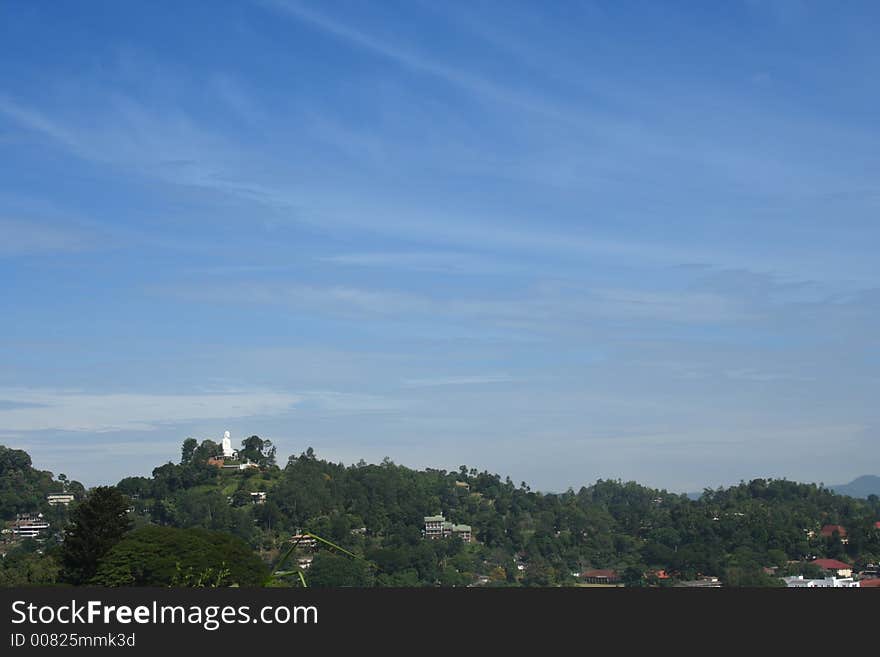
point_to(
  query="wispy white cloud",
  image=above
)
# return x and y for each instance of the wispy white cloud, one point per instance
(36, 121)
(18, 237)
(42, 409)
(167, 144)
(237, 97)
(479, 86)
(759, 376)
(427, 261)
(678, 306)
(538, 305)
(471, 380)
(624, 124)
(334, 299)
(171, 146)
(331, 402)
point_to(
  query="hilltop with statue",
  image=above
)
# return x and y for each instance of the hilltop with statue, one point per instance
(254, 454)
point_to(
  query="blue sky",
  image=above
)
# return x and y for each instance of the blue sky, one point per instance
(560, 241)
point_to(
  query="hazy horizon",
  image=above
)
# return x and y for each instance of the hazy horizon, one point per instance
(559, 242)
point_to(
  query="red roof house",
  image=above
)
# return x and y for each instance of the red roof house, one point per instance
(828, 531)
(870, 583)
(600, 576)
(842, 569)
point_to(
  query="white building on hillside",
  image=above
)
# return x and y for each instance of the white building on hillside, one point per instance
(29, 525)
(438, 527)
(828, 583)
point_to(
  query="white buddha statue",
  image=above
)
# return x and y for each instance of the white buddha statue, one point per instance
(228, 452)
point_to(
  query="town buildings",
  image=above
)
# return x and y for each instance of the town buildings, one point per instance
(439, 527)
(701, 583)
(303, 541)
(834, 567)
(828, 531)
(799, 582)
(870, 571)
(29, 525)
(600, 576)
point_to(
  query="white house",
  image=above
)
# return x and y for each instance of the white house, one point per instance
(438, 527)
(29, 525)
(799, 582)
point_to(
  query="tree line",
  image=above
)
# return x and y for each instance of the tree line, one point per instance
(376, 511)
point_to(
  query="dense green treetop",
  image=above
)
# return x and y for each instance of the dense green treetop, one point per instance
(168, 556)
(95, 527)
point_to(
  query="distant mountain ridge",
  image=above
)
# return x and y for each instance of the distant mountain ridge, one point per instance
(859, 487)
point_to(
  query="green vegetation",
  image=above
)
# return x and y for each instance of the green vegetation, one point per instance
(522, 537)
(95, 527)
(23, 489)
(331, 569)
(258, 451)
(166, 556)
(24, 565)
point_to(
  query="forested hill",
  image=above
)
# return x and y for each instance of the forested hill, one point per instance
(23, 488)
(521, 537)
